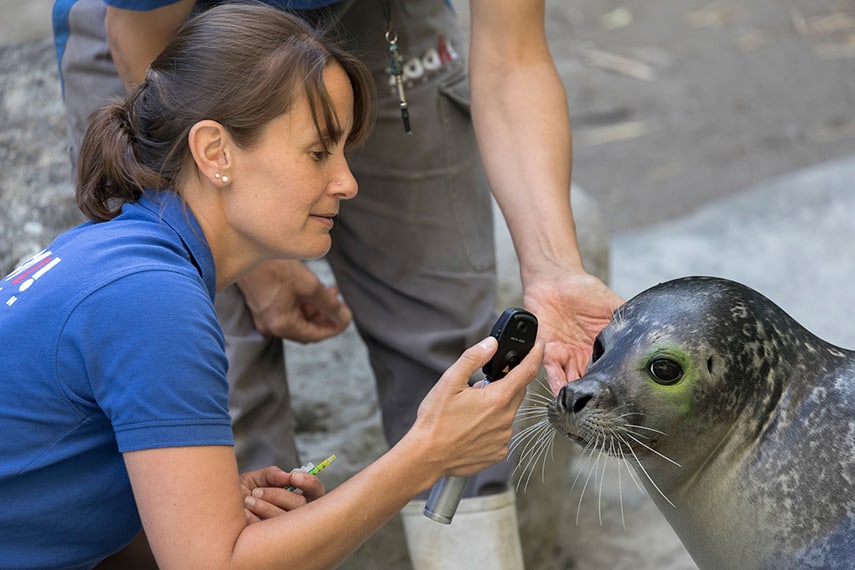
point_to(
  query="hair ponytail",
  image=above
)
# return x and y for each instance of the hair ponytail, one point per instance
(109, 173)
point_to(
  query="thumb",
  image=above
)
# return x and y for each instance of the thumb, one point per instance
(523, 373)
(471, 360)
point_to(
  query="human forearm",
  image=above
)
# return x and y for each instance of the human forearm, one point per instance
(519, 108)
(351, 513)
(137, 37)
(522, 123)
(192, 508)
(459, 430)
(524, 136)
(533, 190)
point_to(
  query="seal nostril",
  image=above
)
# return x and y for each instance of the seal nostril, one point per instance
(580, 403)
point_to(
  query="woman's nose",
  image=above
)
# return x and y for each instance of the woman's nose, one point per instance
(344, 183)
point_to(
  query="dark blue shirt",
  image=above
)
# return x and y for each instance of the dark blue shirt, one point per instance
(109, 343)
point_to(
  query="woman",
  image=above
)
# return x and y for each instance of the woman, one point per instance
(231, 153)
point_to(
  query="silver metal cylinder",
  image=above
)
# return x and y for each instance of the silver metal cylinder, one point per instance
(444, 497)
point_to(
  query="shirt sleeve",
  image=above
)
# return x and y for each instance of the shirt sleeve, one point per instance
(140, 5)
(148, 5)
(153, 355)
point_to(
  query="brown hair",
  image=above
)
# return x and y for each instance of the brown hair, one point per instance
(241, 65)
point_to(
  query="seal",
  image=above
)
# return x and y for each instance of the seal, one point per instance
(739, 422)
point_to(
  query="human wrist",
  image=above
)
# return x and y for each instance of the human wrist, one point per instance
(259, 284)
(555, 268)
(418, 450)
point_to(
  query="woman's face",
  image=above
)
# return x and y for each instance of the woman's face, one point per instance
(286, 190)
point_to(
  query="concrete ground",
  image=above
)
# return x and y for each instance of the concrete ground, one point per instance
(790, 238)
(718, 138)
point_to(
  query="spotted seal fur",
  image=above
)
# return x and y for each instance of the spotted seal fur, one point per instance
(738, 420)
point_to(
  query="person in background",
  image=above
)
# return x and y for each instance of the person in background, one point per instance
(414, 256)
(113, 362)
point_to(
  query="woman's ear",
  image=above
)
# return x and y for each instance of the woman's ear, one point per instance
(208, 141)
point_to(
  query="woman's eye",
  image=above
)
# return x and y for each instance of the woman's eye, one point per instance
(319, 155)
(665, 371)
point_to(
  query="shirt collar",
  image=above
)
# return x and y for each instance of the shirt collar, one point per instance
(172, 210)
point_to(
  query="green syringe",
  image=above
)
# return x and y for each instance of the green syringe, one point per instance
(314, 469)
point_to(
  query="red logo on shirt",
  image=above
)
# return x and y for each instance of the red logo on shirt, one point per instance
(29, 272)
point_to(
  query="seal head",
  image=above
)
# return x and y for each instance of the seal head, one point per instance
(739, 422)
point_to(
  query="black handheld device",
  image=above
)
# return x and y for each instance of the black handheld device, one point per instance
(515, 330)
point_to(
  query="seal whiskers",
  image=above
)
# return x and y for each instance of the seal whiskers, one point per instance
(642, 444)
(534, 441)
(616, 452)
(538, 439)
(625, 461)
(644, 470)
(594, 445)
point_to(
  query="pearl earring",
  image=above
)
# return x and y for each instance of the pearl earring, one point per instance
(225, 179)
(217, 175)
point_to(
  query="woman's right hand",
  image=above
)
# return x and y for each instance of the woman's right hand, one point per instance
(466, 429)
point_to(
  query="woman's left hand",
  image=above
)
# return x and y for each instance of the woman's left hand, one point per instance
(266, 495)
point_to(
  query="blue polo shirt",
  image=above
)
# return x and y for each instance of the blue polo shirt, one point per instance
(109, 343)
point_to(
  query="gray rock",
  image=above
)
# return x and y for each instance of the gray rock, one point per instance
(36, 195)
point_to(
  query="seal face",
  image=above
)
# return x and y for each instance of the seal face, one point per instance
(739, 422)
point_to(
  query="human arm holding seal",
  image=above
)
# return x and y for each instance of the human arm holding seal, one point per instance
(522, 123)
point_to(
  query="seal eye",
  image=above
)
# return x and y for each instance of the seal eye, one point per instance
(665, 371)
